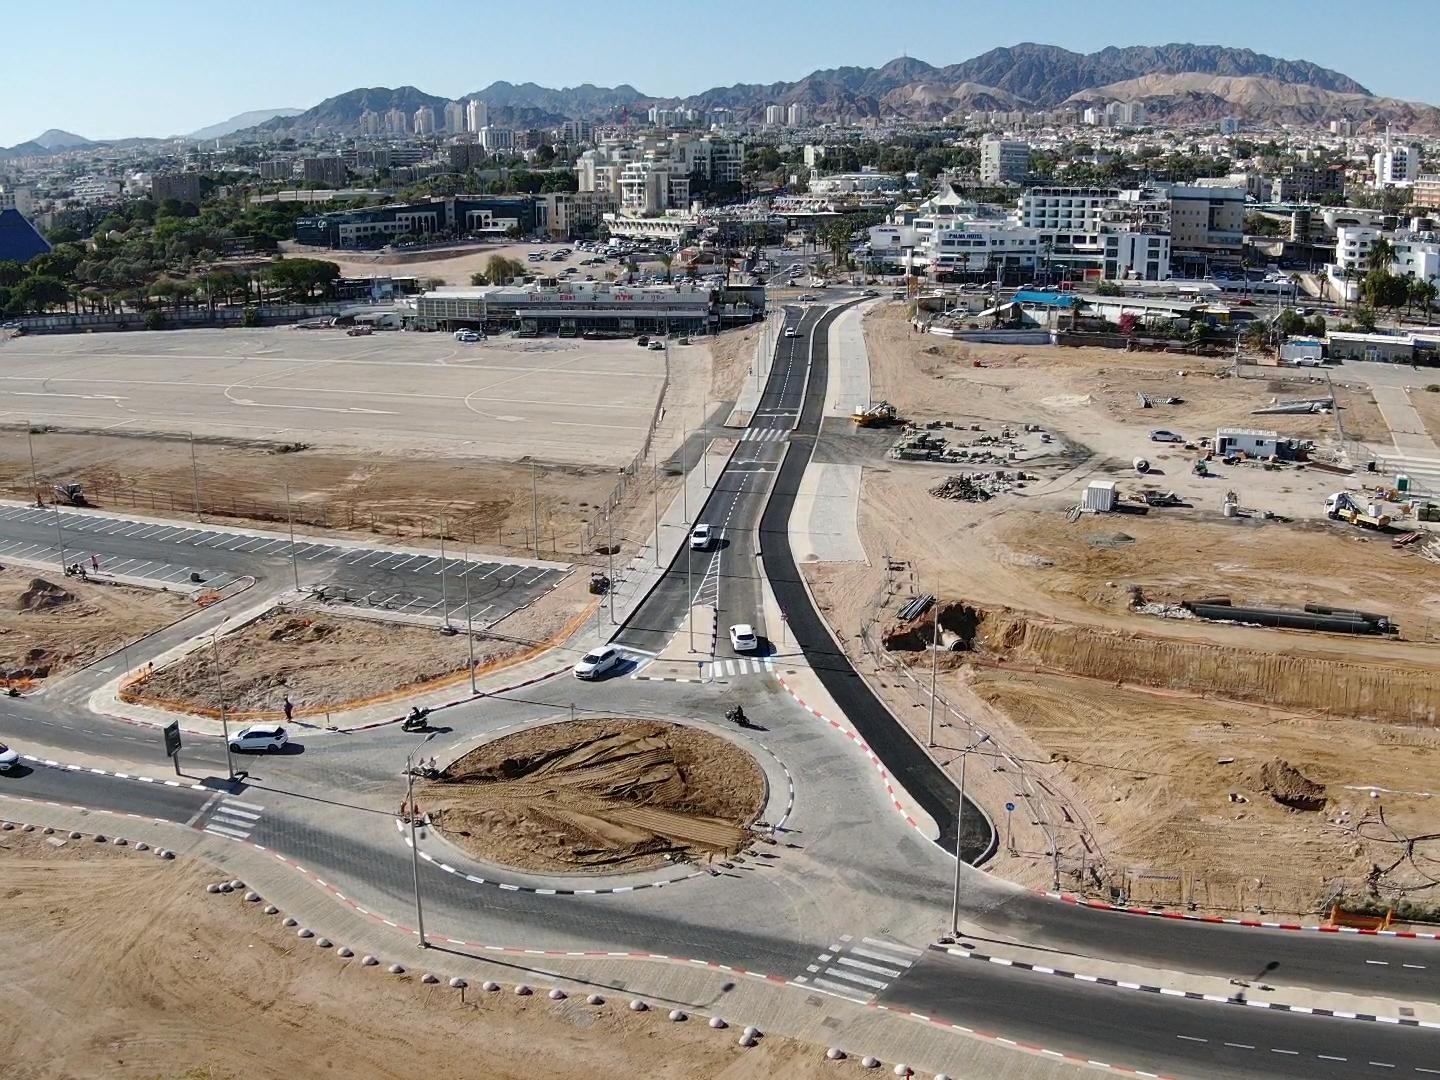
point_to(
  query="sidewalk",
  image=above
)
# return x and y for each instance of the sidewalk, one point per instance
(700, 987)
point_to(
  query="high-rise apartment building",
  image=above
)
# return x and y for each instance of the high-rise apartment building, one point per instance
(454, 117)
(424, 120)
(1003, 161)
(477, 115)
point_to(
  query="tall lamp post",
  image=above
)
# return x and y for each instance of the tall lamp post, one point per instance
(414, 846)
(959, 833)
(220, 688)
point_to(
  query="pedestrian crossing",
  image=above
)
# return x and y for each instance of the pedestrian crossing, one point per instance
(727, 668)
(859, 970)
(764, 434)
(234, 818)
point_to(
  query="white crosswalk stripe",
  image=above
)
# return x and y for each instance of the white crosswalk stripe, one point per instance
(840, 971)
(234, 818)
(732, 668)
(763, 434)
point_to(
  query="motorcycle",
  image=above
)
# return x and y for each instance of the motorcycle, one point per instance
(416, 721)
(736, 715)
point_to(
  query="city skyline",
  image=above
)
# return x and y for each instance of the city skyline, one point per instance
(156, 58)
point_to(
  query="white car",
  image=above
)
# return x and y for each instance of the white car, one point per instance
(700, 537)
(790, 331)
(466, 335)
(1161, 435)
(270, 737)
(596, 662)
(656, 345)
(8, 758)
(743, 639)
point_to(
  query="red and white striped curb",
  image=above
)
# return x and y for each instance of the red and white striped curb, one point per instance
(1185, 916)
(864, 748)
(64, 766)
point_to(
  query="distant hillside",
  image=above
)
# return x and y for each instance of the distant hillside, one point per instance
(1018, 77)
(239, 123)
(1193, 97)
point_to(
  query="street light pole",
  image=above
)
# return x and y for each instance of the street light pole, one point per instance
(610, 562)
(655, 493)
(959, 833)
(535, 504)
(220, 688)
(414, 846)
(34, 476)
(195, 478)
(469, 619)
(290, 523)
(934, 664)
(444, 593)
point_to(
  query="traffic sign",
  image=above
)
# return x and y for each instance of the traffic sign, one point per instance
(1009, 807)
(172, 738)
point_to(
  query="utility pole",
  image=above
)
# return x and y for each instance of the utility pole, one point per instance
(655, 493)
(414, 846)
(469, 619)
(59, 533)
(535, 504)
(684, 480)
(220, 688)
(934, 665)
(610, 562)
(290, 522)
(689, 592)
(195, 478)
(34, 476)
(704, 446)
(444, 593)
(959, 833)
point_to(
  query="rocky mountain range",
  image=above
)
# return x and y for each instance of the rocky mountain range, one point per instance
(1177, 82)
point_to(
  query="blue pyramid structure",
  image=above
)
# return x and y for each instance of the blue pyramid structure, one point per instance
(19, 242)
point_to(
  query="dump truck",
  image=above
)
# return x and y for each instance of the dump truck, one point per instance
(876, 415)
(1342, 506)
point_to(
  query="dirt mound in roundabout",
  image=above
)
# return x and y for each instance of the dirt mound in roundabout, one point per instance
(606, 795)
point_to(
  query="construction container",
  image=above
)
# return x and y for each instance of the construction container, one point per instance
(1099, 496)
(1402, 482)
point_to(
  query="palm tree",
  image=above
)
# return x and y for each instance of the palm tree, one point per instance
(666, 260)
(1382, 254)
(1295, 282)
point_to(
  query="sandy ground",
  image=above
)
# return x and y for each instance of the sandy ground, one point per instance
(1053, 600)
(122, 966)
(51, 625)
(324, 661)
(1427, 402)
(603, 795)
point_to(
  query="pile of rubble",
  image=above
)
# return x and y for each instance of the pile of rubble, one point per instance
(926, 444)
(977, 487)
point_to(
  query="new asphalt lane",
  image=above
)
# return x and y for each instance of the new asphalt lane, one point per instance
(175, 552)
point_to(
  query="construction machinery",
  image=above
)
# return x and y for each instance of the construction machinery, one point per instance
(70, 495)
(878, 414)
(1342, 506)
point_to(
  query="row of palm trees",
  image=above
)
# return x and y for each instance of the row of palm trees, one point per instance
(1385, 289)
(207, 289)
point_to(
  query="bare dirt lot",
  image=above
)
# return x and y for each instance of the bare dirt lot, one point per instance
(1427, 402)
(123, 967)
(598, 795)
(325, 662)
(51, 625)
(1065, 671)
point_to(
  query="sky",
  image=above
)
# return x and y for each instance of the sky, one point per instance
(159, 67)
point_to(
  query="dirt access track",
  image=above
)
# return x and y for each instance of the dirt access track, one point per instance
(121, 966)
(51, 625)
(598, 795)
(327, 662)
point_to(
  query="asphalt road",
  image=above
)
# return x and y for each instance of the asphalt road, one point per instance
(1165, 1035)
(372, 576)
(905, 759)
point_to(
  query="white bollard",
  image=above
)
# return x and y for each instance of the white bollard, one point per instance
(835, 1054)
(369, 961)
(458, 983)
(521, 990)
(305, 932)
(557, 994)
(869, 1063)
(595, 999)
(638, 1006)
(428, 979)
(717, 1023)
(490, 986)
(676, 1014)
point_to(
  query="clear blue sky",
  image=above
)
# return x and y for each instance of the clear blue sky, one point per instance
(103, 69)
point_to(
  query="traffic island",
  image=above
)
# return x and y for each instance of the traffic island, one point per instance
(603, 796)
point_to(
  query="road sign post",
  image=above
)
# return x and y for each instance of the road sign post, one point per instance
(1009, 809)
(172, 744)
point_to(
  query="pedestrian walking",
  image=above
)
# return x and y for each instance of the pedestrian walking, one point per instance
(95, 563)
(289, 707)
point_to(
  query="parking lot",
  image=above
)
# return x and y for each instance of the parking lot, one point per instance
(556, 401)
(390, 579)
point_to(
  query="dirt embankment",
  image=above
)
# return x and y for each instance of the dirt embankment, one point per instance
(1233, 807)
(325, 662)
(49, 629)
(122, 967)
(1277, 679)
(599, 795)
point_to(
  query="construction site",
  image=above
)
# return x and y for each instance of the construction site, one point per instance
(1201, 640)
